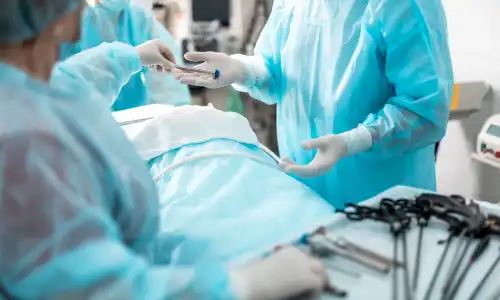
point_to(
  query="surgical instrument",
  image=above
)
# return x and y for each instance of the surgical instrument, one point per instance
(399, 225)
(478, 252)
(485, 278)
(134, 121)
(331, 290)
(492, 226)
(343, 243)
(390, 212)
(319, 253)
(320, 241)
(438, 269)
(420, 208)
(475, 223)
(439, 206)
(495, 295)
(215, 74)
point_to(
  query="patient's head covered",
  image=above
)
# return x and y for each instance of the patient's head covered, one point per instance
(162, 128)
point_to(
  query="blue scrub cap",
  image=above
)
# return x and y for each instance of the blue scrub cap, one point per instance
(21, 20)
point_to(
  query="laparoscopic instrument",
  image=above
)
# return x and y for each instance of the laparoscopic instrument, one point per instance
(464, 220)
(215, 74)
(465, 223)
(391, 213)
(325, 245)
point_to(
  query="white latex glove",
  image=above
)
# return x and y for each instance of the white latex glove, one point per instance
(231, 70)
(156, 54)
(287, 273)
(330, 148)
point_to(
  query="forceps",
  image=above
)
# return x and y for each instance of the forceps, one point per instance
(215, 74)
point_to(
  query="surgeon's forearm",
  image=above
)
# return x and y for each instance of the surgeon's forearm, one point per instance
(418, 65)
(123, 275)
(261, 82)
(104, 70)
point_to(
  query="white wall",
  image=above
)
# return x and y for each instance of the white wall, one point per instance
(474, 33)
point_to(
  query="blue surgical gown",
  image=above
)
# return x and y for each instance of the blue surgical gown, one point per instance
(78, 207)
(133, 26)
(333, 65)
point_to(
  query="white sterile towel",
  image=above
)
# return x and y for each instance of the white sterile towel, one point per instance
(156, 129)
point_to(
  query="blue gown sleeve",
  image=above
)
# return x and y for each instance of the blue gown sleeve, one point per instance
(104, 69)
(59, 241)
(163, 88)
(266, 81)
(413, 39)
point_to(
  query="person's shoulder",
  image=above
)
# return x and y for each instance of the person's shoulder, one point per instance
(27, 111)
(139, 12)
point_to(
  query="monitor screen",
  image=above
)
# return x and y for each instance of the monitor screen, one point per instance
(494, 130)
(210, 10)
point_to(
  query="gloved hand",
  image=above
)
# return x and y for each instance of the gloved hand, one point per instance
(156, 54)
(287, 273)
(231, 70)
(330, 148)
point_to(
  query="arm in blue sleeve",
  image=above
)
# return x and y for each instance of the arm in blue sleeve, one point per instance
(163, 88)
(413, 38)
(59, 241)
(264, 67)
(104, 70)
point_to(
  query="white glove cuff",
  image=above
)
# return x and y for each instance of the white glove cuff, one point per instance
(357, 140)
(255, 69)
(239, 285)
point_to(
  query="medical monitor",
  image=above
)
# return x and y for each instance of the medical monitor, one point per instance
(210, 10)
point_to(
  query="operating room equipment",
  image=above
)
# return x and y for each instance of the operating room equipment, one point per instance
(318, 240)
(422, 216)
(492, 227)
(134, 121)
(321, 252)
(373, 235)
(343, 243)
(444, 208)
(388, 212)
(336, 292)
(481, 247)
(488, 142)
(495, 295)
(485, 278)
(475, 221)
(215, 74)
(399, 224)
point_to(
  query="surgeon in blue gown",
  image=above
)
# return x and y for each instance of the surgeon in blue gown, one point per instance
(363, 91)
(78, 207)
(130, 23)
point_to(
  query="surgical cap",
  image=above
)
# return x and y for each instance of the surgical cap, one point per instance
(21, 20)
